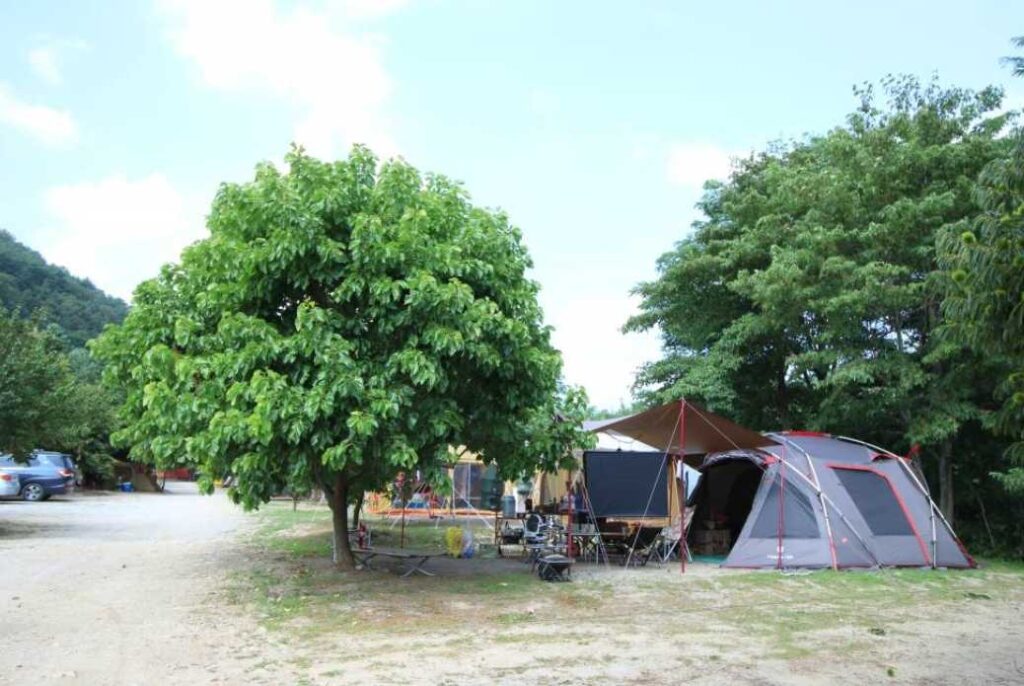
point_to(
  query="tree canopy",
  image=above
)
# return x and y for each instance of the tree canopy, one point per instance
(342, 323)
(809, 296)
(985, 308)
(47, 400)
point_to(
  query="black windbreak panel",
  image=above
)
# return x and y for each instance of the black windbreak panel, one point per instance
(626, 484)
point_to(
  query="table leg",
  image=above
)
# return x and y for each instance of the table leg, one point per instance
(417, 568)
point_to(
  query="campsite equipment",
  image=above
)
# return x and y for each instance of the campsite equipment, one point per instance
(554, 567)
(815, 500)
(453, 541)
(468, 548)
(792, 499)
(508, 506)
(626, 484)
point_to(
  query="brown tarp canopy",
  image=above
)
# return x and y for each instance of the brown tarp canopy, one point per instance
(702, 431)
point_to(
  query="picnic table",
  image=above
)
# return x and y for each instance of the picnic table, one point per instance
(414, 561)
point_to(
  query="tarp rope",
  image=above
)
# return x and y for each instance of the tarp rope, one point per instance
(650, 498)
(600, 546)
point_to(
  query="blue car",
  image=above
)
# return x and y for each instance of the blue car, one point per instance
(39, 477)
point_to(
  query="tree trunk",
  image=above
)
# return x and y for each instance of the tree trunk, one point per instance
(357, 511)
(782, 396)
(946, 480)
(338, 502)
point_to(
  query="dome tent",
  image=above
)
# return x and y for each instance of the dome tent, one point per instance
(816, 500)
(798, 499)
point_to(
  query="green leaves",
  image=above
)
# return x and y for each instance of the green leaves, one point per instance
(342, 322)
(809, 296)
(985, 306)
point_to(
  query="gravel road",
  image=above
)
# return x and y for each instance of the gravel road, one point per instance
(120, 588)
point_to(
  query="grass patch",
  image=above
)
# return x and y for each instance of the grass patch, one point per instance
(790, 617)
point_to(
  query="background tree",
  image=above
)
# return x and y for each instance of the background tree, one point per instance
(1016, 62)
(341, 324)
(986, 308)
(37, 387)
(810, 295)
(51, 399)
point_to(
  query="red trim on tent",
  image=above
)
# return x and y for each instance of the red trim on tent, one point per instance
(960, 545)
(899, 499)
(880, 456)
(813, 434)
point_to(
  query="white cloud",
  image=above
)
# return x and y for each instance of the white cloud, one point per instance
(44, 63)
(371, 9)
(596, 354)
(47, 124)
(118, 231)
(320, 62)
(692, 163)
(50, 51)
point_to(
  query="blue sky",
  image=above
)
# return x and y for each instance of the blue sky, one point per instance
(593, 124)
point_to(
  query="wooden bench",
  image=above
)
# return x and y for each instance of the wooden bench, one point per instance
(412, 560)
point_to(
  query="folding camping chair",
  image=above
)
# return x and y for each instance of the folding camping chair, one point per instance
(671, 540)
(535, 537)
(641, 546)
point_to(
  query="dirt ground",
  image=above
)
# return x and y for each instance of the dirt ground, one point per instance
(120, 589)
(183, 589)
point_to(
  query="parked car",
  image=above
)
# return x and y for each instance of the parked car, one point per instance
(10, 484)
(39, 478)
(60, 461)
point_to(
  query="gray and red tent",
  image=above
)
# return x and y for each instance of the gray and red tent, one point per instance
(800, 499)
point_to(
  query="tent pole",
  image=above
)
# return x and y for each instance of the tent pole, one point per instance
(682, 496)
(846, 521)
(781, 527)
(682, 491)
(932, 507)
(824, 509)
(571, 497)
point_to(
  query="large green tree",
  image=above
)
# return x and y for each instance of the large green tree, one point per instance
(986, 307)
(340, 324)
(809, 296)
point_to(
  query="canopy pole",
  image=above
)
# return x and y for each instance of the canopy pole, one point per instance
(571, 496)
(682, 481)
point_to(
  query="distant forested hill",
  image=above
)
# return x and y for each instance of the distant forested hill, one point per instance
(28, 283)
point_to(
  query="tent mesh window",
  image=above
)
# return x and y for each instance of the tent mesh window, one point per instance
(874, 497)
(798, 518)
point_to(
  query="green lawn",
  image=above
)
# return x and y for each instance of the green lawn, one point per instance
(792, 619)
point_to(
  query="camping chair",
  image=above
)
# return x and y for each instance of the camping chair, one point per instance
(671, 539)
(535, 537)
(641, 545)
(668, 545)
